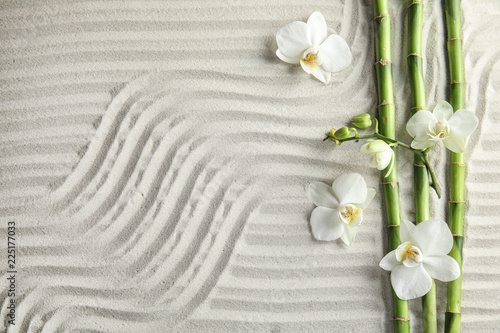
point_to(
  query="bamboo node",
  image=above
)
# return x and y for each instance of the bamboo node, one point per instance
(419, 107)
(384, 103)
(393, 184)
(456, 201)
(448, 311)
(419, 165)
(401, 319)
(459, 164)
(456, 82)
(452, 39)
(383, 15)
(457, 235)
(383, 62)
(416, 3)
(415, 54)
(393, 225)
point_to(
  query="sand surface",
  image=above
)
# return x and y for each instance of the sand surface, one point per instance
(154, 156)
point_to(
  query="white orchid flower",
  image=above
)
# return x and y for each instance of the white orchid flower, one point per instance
(382, 153)
(308, 44)
(442, 124)
(422, 256)
(340, 207)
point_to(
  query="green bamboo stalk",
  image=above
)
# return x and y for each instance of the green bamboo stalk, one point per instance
(457, 165)
(420, 172)
(386, 113)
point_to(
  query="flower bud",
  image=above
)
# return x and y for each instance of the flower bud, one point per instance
(382, 153)
(362, 121)
(342, 133)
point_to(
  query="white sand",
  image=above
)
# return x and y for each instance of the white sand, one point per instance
(154, 156)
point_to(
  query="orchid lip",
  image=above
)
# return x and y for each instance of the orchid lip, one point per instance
(410, 255)
(350, 214)
(439, 130)
(311, 56)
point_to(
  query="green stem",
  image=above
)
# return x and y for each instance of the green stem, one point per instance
(386, 115)
(434, 184)
(422, 154)
(420, 166)
(376, 124)
(457, 166)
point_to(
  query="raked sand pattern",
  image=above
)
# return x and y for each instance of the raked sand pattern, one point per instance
(154, 156)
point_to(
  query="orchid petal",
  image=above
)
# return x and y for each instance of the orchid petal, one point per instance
(373, 162)
(322, 75)
(350, 188)
(293, 39)
(463, 123)
(443, 110)
(384, 158)
(370, 194)
(410, 282)
(422, 144)
(455, 144)
(418, 125)
(374, 146)
(321, 194)
(433, 237)
(317, 27)
(405, 232)
(391, 165)
(348, 235)
(335, 54)
(326, 224)
(389, 261)
(443, 268)
(294, 60)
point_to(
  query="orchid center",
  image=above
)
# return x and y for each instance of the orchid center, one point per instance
(439, 130)
(410, 255)
(350, 214)
(311, 58)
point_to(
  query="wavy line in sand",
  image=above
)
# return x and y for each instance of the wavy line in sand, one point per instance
(180, 254)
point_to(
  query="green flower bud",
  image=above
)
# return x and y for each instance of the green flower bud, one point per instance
(362, 121)
(332, 133)
(342, 133)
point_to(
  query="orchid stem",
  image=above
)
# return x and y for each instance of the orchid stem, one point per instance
(434, 183)
(421, 153)
(376, 124)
